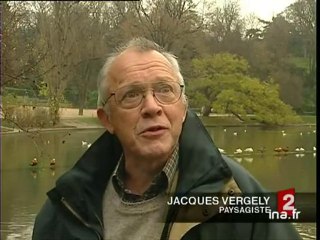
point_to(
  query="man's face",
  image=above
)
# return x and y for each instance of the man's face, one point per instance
(152, 129)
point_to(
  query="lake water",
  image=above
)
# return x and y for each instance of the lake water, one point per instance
(23, 189)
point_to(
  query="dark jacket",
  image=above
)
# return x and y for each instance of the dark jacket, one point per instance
(74, 207)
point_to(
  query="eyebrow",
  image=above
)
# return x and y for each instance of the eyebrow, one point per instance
(158, 79)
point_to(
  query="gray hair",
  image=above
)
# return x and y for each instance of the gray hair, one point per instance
(140, 44)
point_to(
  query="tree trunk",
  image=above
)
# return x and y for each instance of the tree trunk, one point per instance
(238, 116)
(83, 90)
(80, 113)
(54, 107)
(206, 110)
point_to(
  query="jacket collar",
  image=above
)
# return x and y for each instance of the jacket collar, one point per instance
(201, 167)
(200, 162)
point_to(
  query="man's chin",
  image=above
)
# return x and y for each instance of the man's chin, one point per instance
(156, 151)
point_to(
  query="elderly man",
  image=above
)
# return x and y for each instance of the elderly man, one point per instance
(153, 148)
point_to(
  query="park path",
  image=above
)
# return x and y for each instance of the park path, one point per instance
(74, 113)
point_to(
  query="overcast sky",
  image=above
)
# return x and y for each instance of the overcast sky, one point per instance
(264, 9)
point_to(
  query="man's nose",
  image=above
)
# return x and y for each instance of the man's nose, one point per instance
(150, 105)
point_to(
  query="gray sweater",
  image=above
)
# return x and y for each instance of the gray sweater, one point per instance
(141, 220)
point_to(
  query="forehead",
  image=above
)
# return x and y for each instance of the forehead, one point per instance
(134, 64)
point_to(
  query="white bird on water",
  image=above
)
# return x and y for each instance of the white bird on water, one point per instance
(84, 143)
(249, 149)
(299, 149)
(238, 151)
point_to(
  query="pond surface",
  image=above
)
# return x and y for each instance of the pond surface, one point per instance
(24, 188)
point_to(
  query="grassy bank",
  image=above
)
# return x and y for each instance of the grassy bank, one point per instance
(224, 121)
(81, 122)
(309, 119)
(233, 121)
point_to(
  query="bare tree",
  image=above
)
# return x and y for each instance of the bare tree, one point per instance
(56, 21)
(163, 21)
(89, 48)
(226, 26)
(20, 56)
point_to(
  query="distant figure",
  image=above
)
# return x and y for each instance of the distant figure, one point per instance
(34, 162)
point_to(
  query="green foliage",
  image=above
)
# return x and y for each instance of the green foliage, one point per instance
(299, 62)
(92, 99)
(71, 94)
(223, 63)
(43, 89)
(11, 99)
(256, 98)
(211, 75)
(312, 119)
(309, 104)
(231, 90)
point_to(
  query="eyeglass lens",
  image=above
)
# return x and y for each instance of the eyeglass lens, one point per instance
(165, 92)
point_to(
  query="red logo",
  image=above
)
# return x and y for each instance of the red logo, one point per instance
(286, 201)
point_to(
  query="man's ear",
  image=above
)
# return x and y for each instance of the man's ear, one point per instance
(105, 120)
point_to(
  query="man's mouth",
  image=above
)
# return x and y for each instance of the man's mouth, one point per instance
(153, 131)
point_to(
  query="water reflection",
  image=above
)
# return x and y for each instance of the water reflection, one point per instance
(308, 231)
(24, 187)
(248, 159)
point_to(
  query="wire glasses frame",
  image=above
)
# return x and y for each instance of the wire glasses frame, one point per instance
(131, 96)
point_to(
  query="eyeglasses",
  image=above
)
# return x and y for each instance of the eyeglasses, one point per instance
(165, 92)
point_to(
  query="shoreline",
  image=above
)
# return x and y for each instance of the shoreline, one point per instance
(76, 126)
(70, 120)
(64, 125)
